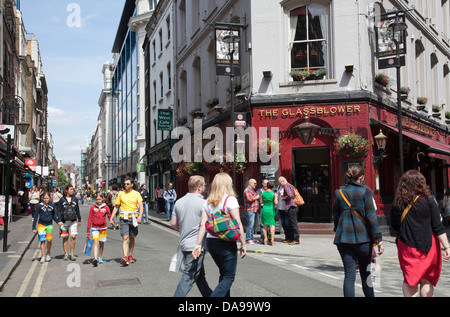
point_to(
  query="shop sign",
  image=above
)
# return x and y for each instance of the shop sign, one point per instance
(165, 119)
(418, 127)
(310, 111)
(140, 167)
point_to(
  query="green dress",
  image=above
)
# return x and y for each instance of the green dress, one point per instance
(268, 210)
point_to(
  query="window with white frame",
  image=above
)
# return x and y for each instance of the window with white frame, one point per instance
(308, 42)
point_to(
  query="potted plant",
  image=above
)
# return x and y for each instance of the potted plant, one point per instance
(270, 147)
(181, 121)
(436, 111)
(211, 103)
(421, 102)
(404, 91)
(196, 113)
(447, 117)
(352, 145)
(382, 79)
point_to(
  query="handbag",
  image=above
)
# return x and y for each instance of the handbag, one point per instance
(360, 217)
(222, 225)
(298, 199)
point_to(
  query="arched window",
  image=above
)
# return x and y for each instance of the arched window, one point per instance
(308, 42)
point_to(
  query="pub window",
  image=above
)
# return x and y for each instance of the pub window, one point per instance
(308, 42)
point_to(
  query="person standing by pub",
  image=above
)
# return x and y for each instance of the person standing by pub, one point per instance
(287, 195)
(251, 199)
(170, 196)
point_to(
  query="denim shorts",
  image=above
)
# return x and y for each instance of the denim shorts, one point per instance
(127, 228)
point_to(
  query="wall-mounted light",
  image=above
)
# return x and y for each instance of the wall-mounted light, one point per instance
(267, 74)
(349, 68)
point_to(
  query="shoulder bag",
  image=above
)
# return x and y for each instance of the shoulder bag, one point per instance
(220, 224)
(405, 212)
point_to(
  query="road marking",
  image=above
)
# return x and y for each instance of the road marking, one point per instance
(40, 279)
(300, 267)
(328, 275)
(27, 279)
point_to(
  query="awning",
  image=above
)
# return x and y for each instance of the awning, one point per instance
(435, 148)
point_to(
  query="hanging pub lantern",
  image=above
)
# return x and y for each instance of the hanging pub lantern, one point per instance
(306, 131)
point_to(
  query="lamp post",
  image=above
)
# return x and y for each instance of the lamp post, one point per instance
(8, 103)
(232, 40)
(380, 141)
(398, 27)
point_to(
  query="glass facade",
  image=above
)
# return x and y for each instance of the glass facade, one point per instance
(125, 113)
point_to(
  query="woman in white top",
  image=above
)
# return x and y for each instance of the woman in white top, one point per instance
(224, 253)
(34, 199)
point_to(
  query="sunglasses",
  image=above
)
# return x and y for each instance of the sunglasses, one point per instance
(127, 183)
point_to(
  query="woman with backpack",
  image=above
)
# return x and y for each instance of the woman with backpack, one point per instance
(68, 214)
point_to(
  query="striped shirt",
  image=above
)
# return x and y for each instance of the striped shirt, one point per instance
(349, 227)
(251, 204)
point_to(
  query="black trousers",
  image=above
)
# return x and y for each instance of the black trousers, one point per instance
(293, 223)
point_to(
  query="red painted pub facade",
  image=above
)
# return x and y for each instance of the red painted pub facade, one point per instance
(317, 170)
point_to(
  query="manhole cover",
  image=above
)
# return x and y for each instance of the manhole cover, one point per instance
(121, 282)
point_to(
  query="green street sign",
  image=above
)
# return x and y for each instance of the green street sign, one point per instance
(140, 167)
(165, 119)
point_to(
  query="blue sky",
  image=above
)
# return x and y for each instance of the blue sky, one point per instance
(75, 40)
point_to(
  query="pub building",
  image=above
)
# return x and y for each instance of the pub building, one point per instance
(317, 169)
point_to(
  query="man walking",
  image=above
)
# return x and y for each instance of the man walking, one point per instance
(288, 214)
(127, 203)
(170, 196)
(186, 218)
(251, 208)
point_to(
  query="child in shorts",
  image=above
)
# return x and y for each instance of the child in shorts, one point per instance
(97, 225)
(45, 212)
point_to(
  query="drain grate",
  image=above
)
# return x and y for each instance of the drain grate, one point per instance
(121, 282)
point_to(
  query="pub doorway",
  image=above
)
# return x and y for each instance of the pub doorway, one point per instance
(313, 181)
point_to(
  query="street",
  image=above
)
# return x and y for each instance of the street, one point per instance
(265, 273)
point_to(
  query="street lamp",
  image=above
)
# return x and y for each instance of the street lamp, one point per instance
(398, 27)
(306, 131)
(232, 40)
(9, 103)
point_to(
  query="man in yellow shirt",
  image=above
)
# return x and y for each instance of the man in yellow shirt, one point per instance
(129, 202)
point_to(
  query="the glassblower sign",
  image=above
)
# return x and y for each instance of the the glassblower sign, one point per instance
(385, 46)
(222, 53)
(300, 112)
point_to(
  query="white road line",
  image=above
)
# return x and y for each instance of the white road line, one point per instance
(27, 279)
(279, 260)
(40, 279)
(300, 267)
(328, 275)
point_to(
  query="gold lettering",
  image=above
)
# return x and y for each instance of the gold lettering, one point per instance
(333, 110)
(319, 110)
(357, 109)
(306, 111)
(349, 109)
(275, 113)
(285, 112)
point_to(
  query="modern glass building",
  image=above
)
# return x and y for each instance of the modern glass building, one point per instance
(125, 103)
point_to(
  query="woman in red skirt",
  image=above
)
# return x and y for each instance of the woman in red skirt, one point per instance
(415, 216)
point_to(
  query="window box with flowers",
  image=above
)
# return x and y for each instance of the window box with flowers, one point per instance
(382, 79)
(304, 74)
(436, 111)
(421, 103)
(352, 145)
(181, 121)
(404, 92)
(211, 103)
(187, 169)
(197, 113)
(447, 117)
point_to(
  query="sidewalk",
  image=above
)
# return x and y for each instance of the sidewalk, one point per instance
(19, 240)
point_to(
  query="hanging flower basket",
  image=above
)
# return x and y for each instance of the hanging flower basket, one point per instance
(223, 166)
(352, 145)
(268, 146)
(187, 169)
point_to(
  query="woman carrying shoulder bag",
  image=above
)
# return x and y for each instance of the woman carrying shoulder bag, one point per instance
(224, 253)
(356, 229)
(415, 216)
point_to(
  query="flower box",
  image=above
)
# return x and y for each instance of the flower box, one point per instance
(422, 100)
(302, 75)
(211, 103)
(382, 79)
(181, 121)
(197, 113)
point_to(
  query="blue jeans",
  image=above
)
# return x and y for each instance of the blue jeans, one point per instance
(225, 256)
(250, 225)
(194, 271)
(350, 253)
(285, 224)
(169, 207)
(145, 215)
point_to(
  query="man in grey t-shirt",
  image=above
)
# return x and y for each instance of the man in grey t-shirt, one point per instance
(186, 218)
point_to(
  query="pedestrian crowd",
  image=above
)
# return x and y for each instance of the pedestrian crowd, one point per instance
(213, 225)
(415, 216)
